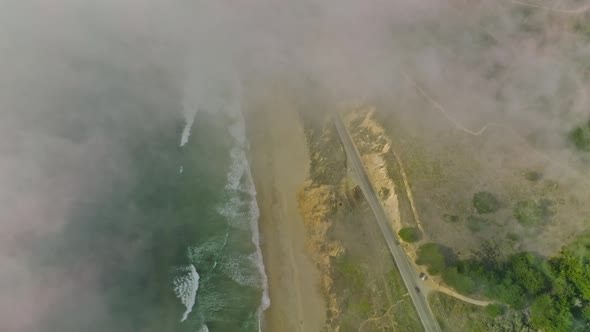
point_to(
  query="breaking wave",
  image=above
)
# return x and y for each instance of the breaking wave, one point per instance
(186, 284)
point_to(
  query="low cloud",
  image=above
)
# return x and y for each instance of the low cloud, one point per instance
(83, 83)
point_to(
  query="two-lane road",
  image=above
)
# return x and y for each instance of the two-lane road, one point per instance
(408, 273)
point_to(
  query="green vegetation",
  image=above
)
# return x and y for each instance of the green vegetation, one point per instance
(458, 280)
(370, 293)
(580, 137)
(352, 272)
(366, 140)
(533, 176)
(409, 234)
(533, 212)
(495, 310)
(556, 292)
(328, 163)
(454, 315)
(431, 255)
(513, 237)
(485, 202)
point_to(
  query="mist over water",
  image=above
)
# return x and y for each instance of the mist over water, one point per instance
(122, 146)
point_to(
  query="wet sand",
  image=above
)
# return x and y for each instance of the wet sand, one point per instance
(280, 161)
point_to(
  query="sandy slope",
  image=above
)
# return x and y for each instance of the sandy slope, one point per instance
(280, 165)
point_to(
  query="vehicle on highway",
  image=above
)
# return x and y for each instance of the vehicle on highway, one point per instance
(423, 276)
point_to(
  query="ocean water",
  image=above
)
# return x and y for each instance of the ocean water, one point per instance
(219, 280)
(167, 240)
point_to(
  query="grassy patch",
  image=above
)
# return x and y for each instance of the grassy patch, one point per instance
(409, 234)
(328, 161)
(352, 272)
(456, 316)
(533, 212)
(431, 255)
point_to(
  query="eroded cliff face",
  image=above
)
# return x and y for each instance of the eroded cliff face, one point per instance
(318, 201)
(316, 204)
(321, 197)
(373, 145)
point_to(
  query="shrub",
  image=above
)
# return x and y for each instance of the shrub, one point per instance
(513, 237)
(533, 176)
(451, 218)
(459, 281)
(533, 213)
(352, 272)
(485, 202)
(409, 234)
(580, 137)
(494, 310)
(429, 254)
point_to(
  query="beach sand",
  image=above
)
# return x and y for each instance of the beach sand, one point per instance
(280, 162)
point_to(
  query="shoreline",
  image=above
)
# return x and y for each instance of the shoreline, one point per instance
(280, 165)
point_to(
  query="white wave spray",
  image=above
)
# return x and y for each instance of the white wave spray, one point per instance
(186, 284)
(241, 168)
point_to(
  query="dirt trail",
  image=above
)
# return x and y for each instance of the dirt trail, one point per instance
(375, 165)
(408, 189)
(443, 289)
(483, 129)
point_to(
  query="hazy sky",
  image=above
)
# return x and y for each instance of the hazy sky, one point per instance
(83, 81)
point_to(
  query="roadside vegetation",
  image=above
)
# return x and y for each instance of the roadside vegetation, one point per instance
(431, 255)
(554, 292)
(364, 290)
(409, 234)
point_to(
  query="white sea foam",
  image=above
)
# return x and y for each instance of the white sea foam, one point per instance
(239, 214)
(239, 158)
(239, 268)
(254, 217)
(237, 168)
(234, 212)
(186, 284)
(190, 112)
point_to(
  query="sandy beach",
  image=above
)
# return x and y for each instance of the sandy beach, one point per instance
(280, 162)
